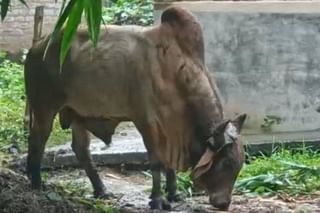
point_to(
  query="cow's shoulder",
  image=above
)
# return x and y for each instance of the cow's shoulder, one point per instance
(187, 31)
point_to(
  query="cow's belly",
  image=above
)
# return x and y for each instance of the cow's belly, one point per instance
(110, 93)
(98, 96)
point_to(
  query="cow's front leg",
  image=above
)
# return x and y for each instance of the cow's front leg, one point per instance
(171, 186)
(157, 199)
(80, 145)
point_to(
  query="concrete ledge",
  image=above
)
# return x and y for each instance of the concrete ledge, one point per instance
(130, 150)
(268, 148)
(246, 6)
(118, 153)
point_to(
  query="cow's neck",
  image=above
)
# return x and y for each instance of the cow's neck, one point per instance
(209, 115)
(199, 145)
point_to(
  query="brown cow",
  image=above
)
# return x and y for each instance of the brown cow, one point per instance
(152, 76)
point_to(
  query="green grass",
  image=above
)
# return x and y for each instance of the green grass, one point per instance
(292, 172)
(123, 12)
(76, 192)
(12, 102)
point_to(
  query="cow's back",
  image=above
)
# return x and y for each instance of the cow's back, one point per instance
(106, 81)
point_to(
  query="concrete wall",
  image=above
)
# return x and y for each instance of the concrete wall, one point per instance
(266, 60)
(16, 31)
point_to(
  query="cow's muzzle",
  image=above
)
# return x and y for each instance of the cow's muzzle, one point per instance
(220, 202)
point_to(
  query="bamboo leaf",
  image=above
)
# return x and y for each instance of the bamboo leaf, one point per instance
(71, 28)
(24, 3)
(4, 8)
(63, 5)
(93, 11)
(62, 19)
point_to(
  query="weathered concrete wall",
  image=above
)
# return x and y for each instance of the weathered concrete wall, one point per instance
(16, 31)
(265, 58)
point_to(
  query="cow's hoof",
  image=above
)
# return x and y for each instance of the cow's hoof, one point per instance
(36, 185)
(103, 195)
(160, 203)
(175, 197)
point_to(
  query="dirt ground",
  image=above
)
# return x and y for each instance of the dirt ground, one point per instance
(131, 190)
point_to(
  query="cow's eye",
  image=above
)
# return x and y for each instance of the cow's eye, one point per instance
(227, 163)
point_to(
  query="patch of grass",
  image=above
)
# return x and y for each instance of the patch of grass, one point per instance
(77, 192)
(292, 172)
(185, 183)
(12, 101)
(123, 12)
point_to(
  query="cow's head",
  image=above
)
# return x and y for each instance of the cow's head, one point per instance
(219, 166)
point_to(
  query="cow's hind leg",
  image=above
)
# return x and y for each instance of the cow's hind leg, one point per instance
(80, 145)
(39, 133)
(171, 186)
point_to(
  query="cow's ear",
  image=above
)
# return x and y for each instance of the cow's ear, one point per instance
(221, 127)
(216, 141)
(204, 164)
(239, 121)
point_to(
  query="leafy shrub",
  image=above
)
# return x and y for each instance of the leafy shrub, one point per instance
(285, 171)
(12, 101)
(12, 104)
(122, 12)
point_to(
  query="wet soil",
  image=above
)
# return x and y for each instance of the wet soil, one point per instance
(131, 189)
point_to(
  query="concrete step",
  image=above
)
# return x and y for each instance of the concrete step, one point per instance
(128, 148)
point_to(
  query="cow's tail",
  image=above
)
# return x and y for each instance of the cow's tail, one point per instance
(28, 117)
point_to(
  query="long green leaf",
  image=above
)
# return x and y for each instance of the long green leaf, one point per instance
(93, 11)
(62, 19)
(23, 2)
(63, 5)
(71, 28)
(4, 8)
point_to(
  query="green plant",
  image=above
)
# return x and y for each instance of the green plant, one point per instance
(185, 183)
(12, 101)
(121, 12)
(3, 55)
(269, 121)
(294, 171)
(76, 192)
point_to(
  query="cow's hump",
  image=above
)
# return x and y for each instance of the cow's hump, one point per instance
(187, 31)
